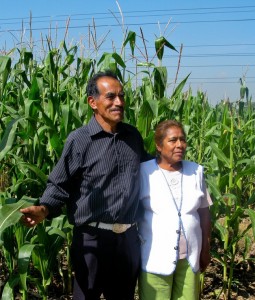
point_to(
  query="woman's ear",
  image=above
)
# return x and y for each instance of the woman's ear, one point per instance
(158, 148)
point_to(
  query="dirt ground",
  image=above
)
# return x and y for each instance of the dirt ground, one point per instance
(243, 286)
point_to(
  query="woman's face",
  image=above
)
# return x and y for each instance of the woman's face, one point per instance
(173, 146)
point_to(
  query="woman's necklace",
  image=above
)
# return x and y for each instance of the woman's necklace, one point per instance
(174, 181)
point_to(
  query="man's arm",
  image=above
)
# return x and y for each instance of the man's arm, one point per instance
(205, 223)
(58, 188)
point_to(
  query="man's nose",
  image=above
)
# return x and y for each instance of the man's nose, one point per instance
(119, 100)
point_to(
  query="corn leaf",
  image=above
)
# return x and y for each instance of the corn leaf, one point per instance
(251, 214)
(220, 155)
(145, 118)
(160, 81)
(160, 43)
(65, 117)
(131, 37)
(24, 255)
(214, 188)
(119, 60)
(8, 138)
(5, 69)
(222, 230)
(179, 88)
(10, 214)
(9, 287)
(145, 64)
(36, 170)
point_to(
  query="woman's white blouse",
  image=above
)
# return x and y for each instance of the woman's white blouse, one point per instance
(160, 226)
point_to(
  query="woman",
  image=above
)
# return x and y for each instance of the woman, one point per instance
(175, 226)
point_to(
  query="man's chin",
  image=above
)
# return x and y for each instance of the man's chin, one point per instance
(118, 117)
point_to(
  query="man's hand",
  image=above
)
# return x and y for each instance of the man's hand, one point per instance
(33, 215)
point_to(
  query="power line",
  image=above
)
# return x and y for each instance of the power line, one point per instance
(212, 66)
(217, 78)
(110, 17)
(206, 55)
(132, 24)
(214, 82)
(137, 11)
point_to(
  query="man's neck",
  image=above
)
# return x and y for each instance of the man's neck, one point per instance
(108, 127)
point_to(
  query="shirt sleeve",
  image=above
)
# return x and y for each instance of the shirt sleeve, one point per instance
(59, 184)
(206, 200)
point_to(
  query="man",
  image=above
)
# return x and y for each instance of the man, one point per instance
(97, 179)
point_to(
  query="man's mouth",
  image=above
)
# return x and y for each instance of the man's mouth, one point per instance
(117, 110)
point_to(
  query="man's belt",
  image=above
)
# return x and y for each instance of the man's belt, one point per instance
(116, 227)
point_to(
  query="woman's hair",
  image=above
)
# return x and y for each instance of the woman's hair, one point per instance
(161, 130)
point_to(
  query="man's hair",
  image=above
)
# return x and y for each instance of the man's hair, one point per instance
(92, 89)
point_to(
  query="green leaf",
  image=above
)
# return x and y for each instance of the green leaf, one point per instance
(160, 81)
(36, 170)
(118, 60)
(145, 64)
(220, 155)
(179, 88)
(9, 287)
(131, 37)
(5, 69)
(65, 117)
(251, 214)
(8, 138)
(145, 118)
(23, 262)
(34, 92)
(56, 143)
(27, 57)
(223, 231)
(249, 170)
(10, 214)
(214, 188)
(234, 217)
(56, 231)
(160, 43)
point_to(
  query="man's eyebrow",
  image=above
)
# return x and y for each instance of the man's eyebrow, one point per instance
(114, 94)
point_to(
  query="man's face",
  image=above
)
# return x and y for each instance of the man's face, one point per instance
(109, 105)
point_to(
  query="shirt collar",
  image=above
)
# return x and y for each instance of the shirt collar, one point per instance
(94, 127)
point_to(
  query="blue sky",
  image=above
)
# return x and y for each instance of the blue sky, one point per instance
(217, 36)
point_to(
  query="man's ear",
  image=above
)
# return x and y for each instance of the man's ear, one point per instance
(92, 102)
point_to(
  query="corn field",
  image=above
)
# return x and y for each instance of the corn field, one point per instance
(42, 101)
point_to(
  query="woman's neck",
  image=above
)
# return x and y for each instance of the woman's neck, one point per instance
(168, 166)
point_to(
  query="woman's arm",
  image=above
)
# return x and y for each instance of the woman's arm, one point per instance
(205, 223)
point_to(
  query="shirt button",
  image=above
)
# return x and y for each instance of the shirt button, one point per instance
(178, 231)
(176, 248)
(179, 214)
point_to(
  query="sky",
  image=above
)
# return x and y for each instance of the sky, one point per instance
(217, 37)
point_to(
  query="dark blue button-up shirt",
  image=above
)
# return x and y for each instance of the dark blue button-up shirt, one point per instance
(97, 176)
